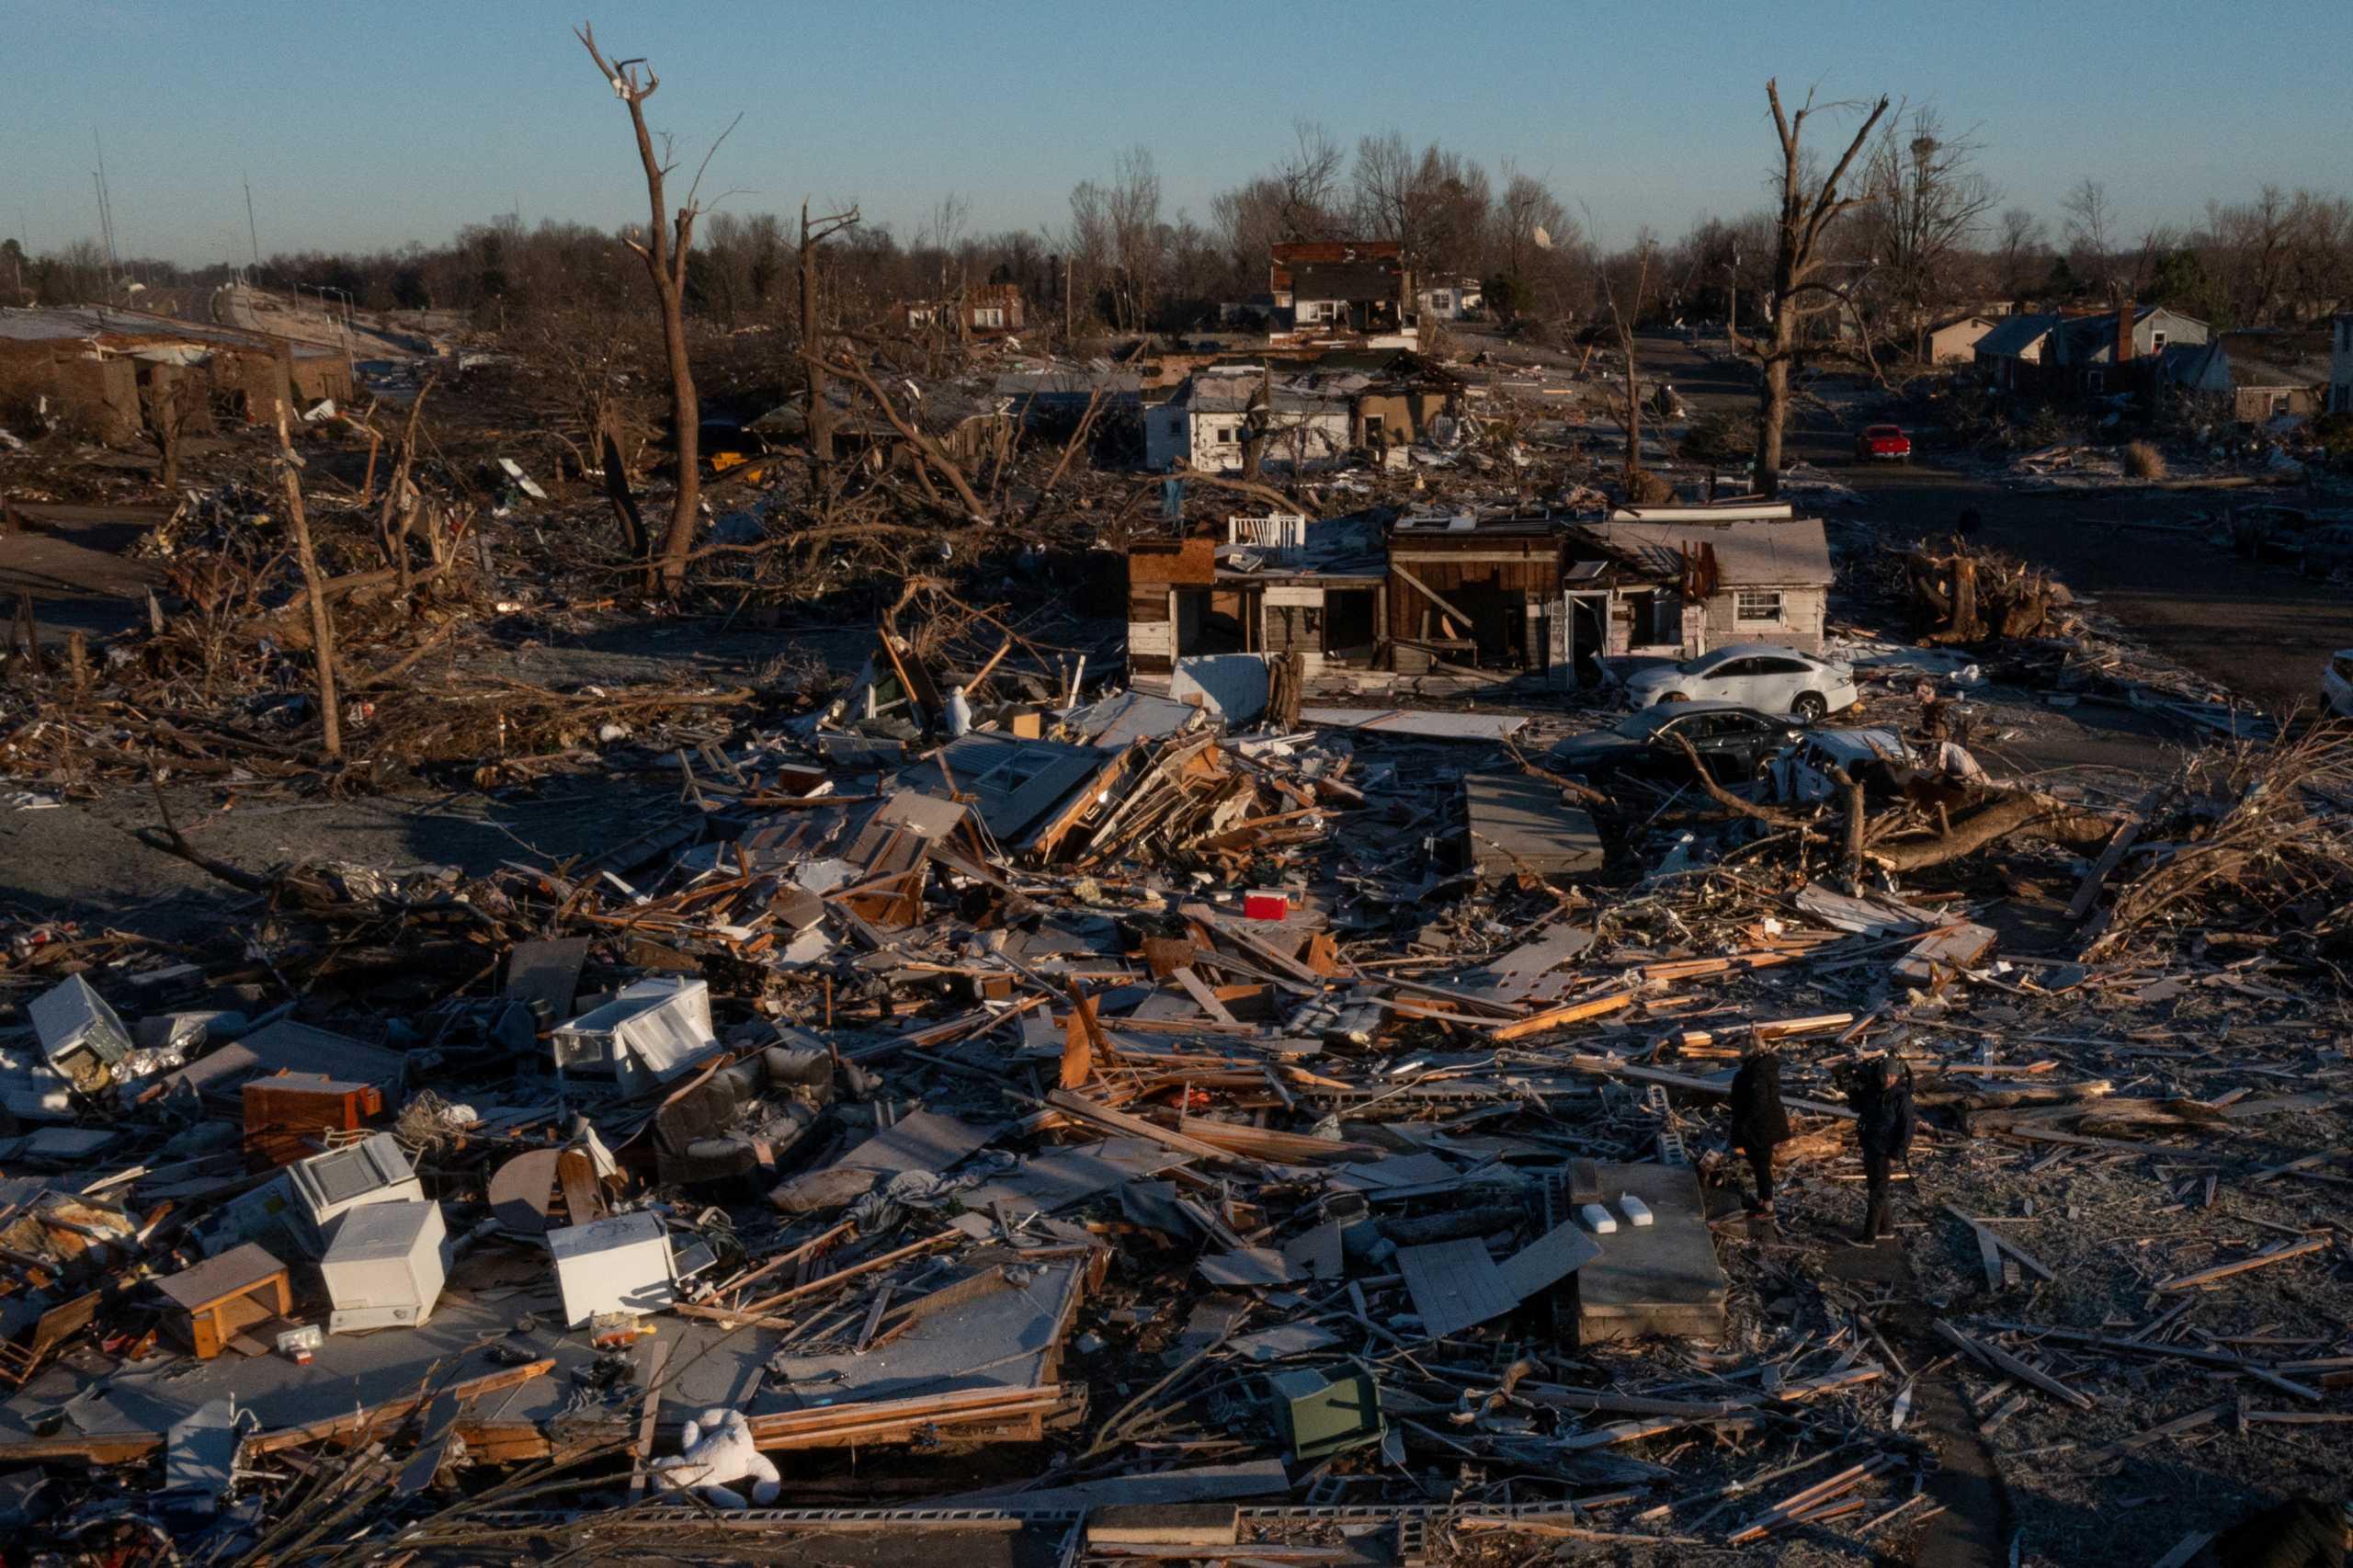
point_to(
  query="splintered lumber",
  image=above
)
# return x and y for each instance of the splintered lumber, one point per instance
(753, 1308)
(1988, 1238)
(2087, 891)
(902, 1420)
(2003, 1361)
(2278, 1253)
(656, 1364)
(1790, 1509)
(2272, 1375)
(1568, 1013)
(1079, 1106)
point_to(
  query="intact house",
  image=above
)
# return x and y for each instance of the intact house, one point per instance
(1340, 292)
(2256, 376)
(1276, 584)
(2096, 355)
(1955, 342)
(2340, 366)
(1673, 581)
(121, 371)
(1206, 423)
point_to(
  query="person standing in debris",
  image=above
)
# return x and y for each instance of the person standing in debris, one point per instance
(1759, 1124)
(2303, 1532)
(1881, 1096)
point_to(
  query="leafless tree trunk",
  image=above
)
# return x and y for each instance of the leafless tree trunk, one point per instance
(812, 343)
(1624, 315)
(315, 584)
(1806, 212)
(664, 251)
(1257, 424)
(2091, 235)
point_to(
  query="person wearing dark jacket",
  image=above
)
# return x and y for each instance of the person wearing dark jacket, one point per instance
(1881, 1096)
(2303, 1532)
(1758, 1123)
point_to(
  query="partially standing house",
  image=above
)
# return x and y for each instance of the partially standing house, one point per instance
(2013, 353)
(1954, 342)
(1343, 290)
(1673, 581)
(1205, 425)
(1472, 590)
(1274, 583)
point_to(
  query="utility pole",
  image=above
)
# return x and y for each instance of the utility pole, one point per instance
(1732, 311)
(252, 234)
(106, 210)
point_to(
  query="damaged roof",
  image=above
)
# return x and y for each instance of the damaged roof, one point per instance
(1794, 552)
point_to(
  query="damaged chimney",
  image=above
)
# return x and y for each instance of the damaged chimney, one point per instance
(2124, 314)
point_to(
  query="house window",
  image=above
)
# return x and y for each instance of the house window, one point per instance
(2156, 343)
(1223, 435)
(1758, 607)
(2095, 382)
(988, 317)
(2278, 402)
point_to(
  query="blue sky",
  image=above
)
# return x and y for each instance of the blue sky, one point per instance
(370, 126)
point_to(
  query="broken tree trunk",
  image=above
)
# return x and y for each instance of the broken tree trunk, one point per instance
(321, 625)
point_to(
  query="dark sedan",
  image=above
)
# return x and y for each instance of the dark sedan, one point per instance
(1732, 741)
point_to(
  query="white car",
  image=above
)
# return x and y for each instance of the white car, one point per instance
(2337, 684)
(1770, 680)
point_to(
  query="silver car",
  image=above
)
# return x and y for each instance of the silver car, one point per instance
(1759, 674)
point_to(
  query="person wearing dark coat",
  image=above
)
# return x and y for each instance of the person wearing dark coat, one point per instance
(2303, 1532)
(1759, 1124)
(1881, 1096)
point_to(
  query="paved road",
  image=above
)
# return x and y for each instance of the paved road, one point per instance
(2263, 630)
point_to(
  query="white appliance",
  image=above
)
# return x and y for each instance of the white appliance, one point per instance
(620, 1263)
(386, 1265)
(650, 1032)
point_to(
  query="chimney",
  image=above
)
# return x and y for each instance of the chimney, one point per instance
(2124, 314)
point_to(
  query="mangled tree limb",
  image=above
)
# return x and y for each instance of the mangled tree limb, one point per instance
(934, 456)
(2003, 814)
(321, 628)
(1973, 596)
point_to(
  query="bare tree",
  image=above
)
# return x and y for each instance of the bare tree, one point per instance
(1808, 209)
(2091, 234)
(2017, 244)
(664, 251)
(1307, 183)
(1929, 206)
(814, 233)
(1624, 315)
(1532, 224)
(1134, 205)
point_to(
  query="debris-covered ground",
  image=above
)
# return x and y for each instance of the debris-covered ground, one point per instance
(929, 1096)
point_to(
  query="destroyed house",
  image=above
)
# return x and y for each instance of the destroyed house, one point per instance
(1472, 591)
(1675, 582)
(983, 307)
(122, 371)
(1338, 290)
(2255, 376)
(1062, 393)
(1277, 584)
(1207, 423)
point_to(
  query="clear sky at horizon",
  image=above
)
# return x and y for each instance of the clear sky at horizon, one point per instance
(368, 128)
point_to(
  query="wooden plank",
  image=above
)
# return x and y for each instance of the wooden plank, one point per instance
(2278, 1253)
(2111, 856)
(1990, 1238)
(1088, 1111)
(657, 1364)
(1568, 1013)
(1202, 997)
(2003, 1361)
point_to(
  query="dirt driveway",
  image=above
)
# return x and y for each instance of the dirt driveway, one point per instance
(2263, 630)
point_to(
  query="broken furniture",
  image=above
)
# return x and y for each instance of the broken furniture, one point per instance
(221, 1296)
(621, 1263)
(649, 1033)
(1656, 1280)
(289, 1114)
(386, 1265)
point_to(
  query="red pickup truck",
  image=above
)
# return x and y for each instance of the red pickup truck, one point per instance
(1883, 443)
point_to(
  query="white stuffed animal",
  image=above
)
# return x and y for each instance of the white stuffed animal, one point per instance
(719, 1452)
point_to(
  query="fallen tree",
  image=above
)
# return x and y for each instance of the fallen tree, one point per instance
(1972, 595)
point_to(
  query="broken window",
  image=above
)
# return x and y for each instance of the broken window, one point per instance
(1760, 606)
